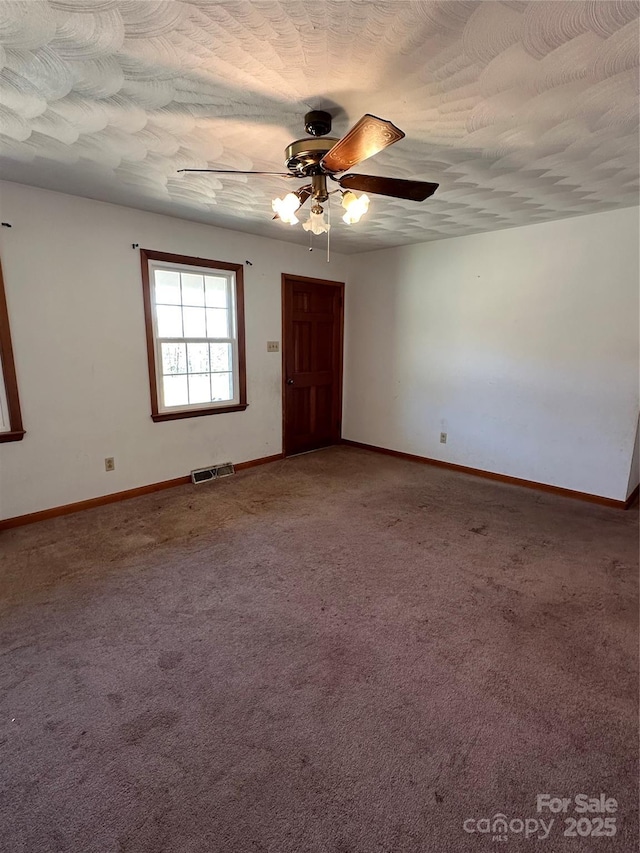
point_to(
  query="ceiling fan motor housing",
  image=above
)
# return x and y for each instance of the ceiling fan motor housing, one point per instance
(303, 156)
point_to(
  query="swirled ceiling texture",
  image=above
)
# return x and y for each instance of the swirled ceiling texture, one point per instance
(523, 111)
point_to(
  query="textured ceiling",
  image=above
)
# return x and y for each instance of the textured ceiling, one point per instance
(523, 111)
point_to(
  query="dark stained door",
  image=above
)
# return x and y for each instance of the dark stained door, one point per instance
(312, 362)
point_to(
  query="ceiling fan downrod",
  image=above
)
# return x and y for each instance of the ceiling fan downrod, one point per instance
(319, 188)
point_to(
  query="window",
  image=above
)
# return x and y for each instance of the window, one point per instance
(194, 310)
(10, 418)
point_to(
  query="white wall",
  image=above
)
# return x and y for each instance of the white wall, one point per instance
(521, 344)
(75, 304)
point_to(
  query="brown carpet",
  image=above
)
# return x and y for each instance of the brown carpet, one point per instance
(338, 653)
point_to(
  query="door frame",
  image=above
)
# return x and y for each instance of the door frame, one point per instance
(286, 277)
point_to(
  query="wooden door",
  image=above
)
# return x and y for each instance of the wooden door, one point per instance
(312, 362)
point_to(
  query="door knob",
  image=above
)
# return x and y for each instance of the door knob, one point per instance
(289, 381)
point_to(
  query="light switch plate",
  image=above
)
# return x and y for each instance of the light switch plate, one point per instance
(273, 346)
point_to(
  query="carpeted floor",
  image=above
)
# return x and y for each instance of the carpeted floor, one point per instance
(337, 653)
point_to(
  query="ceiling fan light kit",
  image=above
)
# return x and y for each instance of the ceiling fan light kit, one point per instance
(285, 208)
(316, 223)
(319, 156)
(355, 207)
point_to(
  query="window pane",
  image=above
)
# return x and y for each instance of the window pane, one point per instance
(220, 357)
(198, 356)
(169, 321)
(196, 331)
(221, 386)
(199, 388)
(194, 323)
(217, 324)
(192, 289)
(4, 414)
(174, 358)
(167, 287)
(216, 291)
(176, 392)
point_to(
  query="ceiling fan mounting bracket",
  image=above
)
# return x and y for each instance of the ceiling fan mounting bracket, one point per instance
(317, 123)
(303, 156)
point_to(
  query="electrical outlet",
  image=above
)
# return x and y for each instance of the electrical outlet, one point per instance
(109, 464)
(443, 438)
(273, 346)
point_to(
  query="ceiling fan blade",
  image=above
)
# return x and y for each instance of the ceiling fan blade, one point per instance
(394, 187)
(304, 194)
(239, 172)
(366, 138)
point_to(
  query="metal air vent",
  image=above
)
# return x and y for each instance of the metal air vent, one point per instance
(203, 475)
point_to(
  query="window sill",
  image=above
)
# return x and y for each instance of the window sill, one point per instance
(197, 413)
(13, 435)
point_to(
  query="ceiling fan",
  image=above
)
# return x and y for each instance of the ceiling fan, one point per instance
(320, 156)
